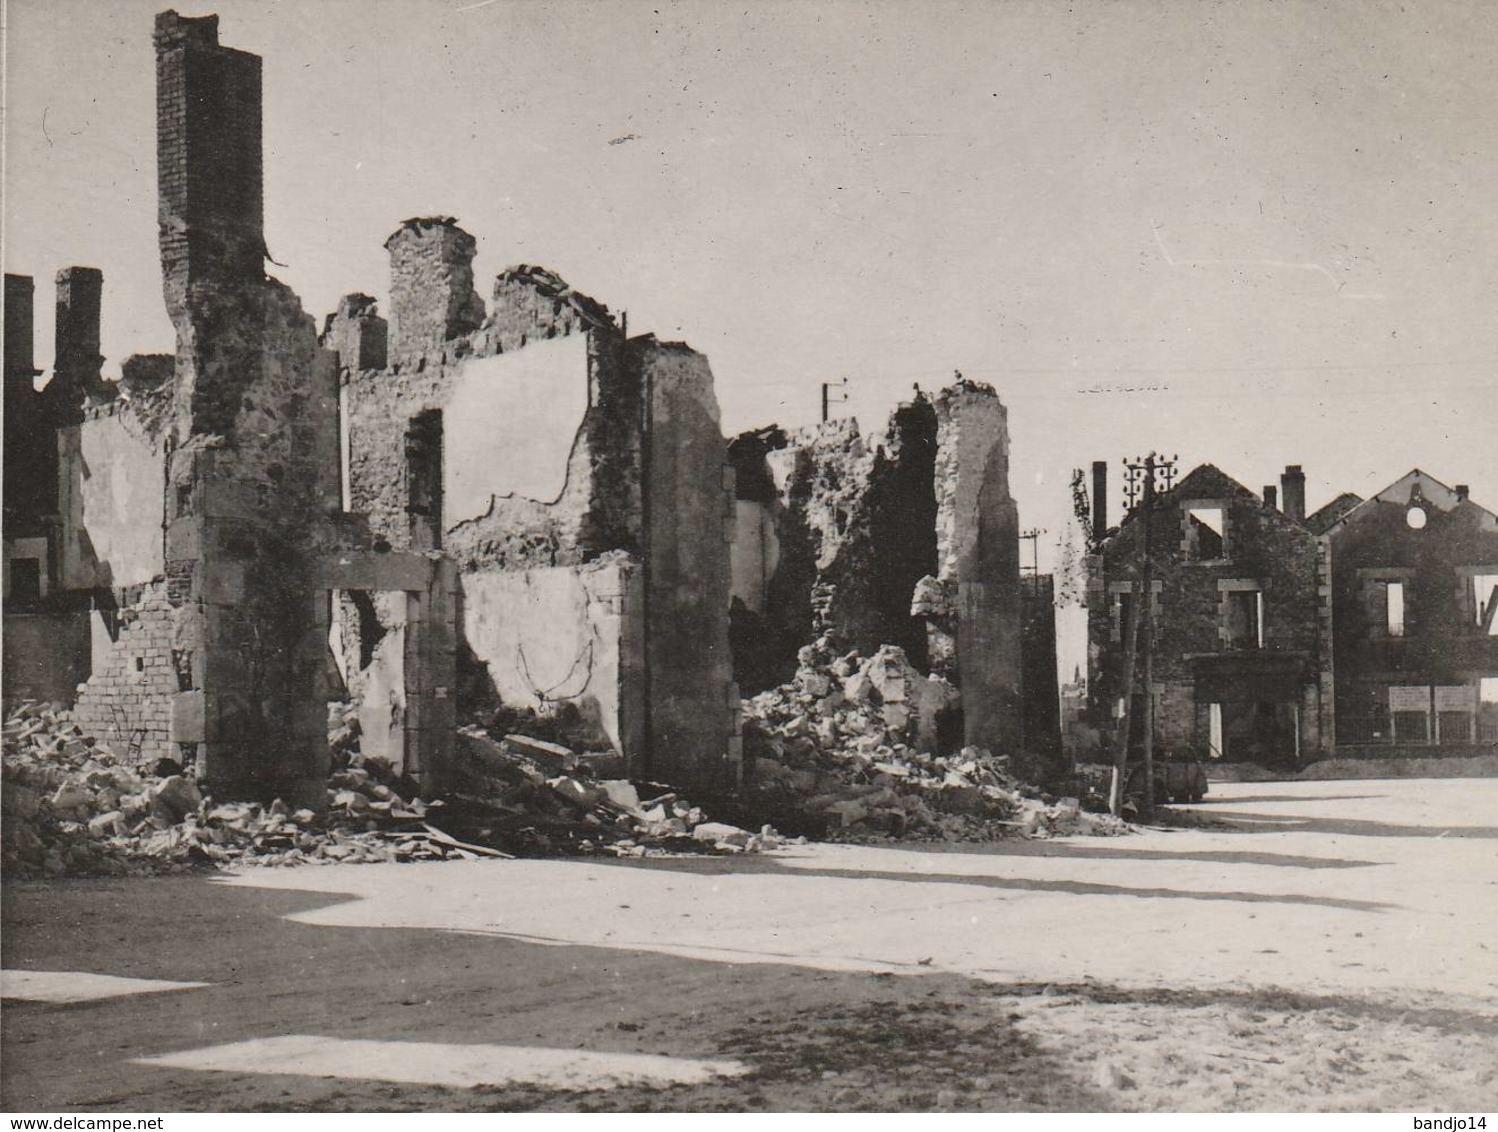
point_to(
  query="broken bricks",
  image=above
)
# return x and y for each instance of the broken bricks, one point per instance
(846, 748)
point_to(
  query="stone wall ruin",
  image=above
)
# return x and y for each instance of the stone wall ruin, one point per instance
(574, 478)
(909, 540)
(485, 504)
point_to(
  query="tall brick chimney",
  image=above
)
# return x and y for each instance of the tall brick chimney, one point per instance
(210, 205)
(30, 442)
(432, 299)
(1293, 489)
(1271, 496)
(1099, 499)
(77, 361)
(20, 356)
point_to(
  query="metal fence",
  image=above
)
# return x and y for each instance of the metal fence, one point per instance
(1414, 729)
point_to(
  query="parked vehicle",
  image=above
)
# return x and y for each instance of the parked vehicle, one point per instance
(1176, 780)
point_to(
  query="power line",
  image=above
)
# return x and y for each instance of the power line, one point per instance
(1120, 370)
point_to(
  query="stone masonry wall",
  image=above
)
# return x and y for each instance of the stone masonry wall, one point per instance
(911, 541)
(1442, 643)
(854, 528)
(975, 623)
(1264, 550)
(128, 701)
(432, 299)
(253, 479)
(1042, 693)
(599, 507)
(525, 547)
(658, 633)
(692, 703)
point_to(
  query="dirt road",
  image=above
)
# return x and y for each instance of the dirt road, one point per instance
(1329, 945)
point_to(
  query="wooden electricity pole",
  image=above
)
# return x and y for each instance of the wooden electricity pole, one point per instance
(828, 396)
(1142, 478)
(1147, 808)
(1033, 536)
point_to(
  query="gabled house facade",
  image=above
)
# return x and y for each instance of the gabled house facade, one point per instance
(1367, 626)
(1234, 619)
(1414, 618)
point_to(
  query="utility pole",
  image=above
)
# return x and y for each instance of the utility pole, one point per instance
(1033, 534)
(828, 396)
(1142, 480)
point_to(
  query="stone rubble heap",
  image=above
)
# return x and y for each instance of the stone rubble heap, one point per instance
(845, 750)
(77, 806)
(544, 797)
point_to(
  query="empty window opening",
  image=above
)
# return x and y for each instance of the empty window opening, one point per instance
(1487, 690)
(1123, 610)
(25, 580)
(1485, 602)
(1214, 731)
(424, 479)
(1416, 518)
(371, 632)
(1394, 608)
(1204, 534)
(1245, 616)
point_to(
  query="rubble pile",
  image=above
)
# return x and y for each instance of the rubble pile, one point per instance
(544, 797)
(74, 805)
(845, 750)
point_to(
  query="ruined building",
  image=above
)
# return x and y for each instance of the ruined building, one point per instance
(574, 480)
(477, 504)
(1280, 637)
(1233, 617)
(1413, 617)
(910, 539)
(463, 506)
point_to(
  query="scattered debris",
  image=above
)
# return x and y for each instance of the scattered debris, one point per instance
(74, 805)
(541, 797)
(844, 750)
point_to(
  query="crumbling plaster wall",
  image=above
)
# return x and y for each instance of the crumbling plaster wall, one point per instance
(111, 493)
(510, 425)
(563, 635)
(544, 505)
(530, 419)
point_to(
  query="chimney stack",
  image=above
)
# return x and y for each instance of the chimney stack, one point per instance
(1271, 496)
(76, 329)
(1293, 491)
(1462, 491)
(1099, 500)
(432, 299)
(20, 363)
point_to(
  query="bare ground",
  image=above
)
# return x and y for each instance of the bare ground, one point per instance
(1160, 966)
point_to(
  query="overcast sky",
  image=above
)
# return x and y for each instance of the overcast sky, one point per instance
(1248, 233)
